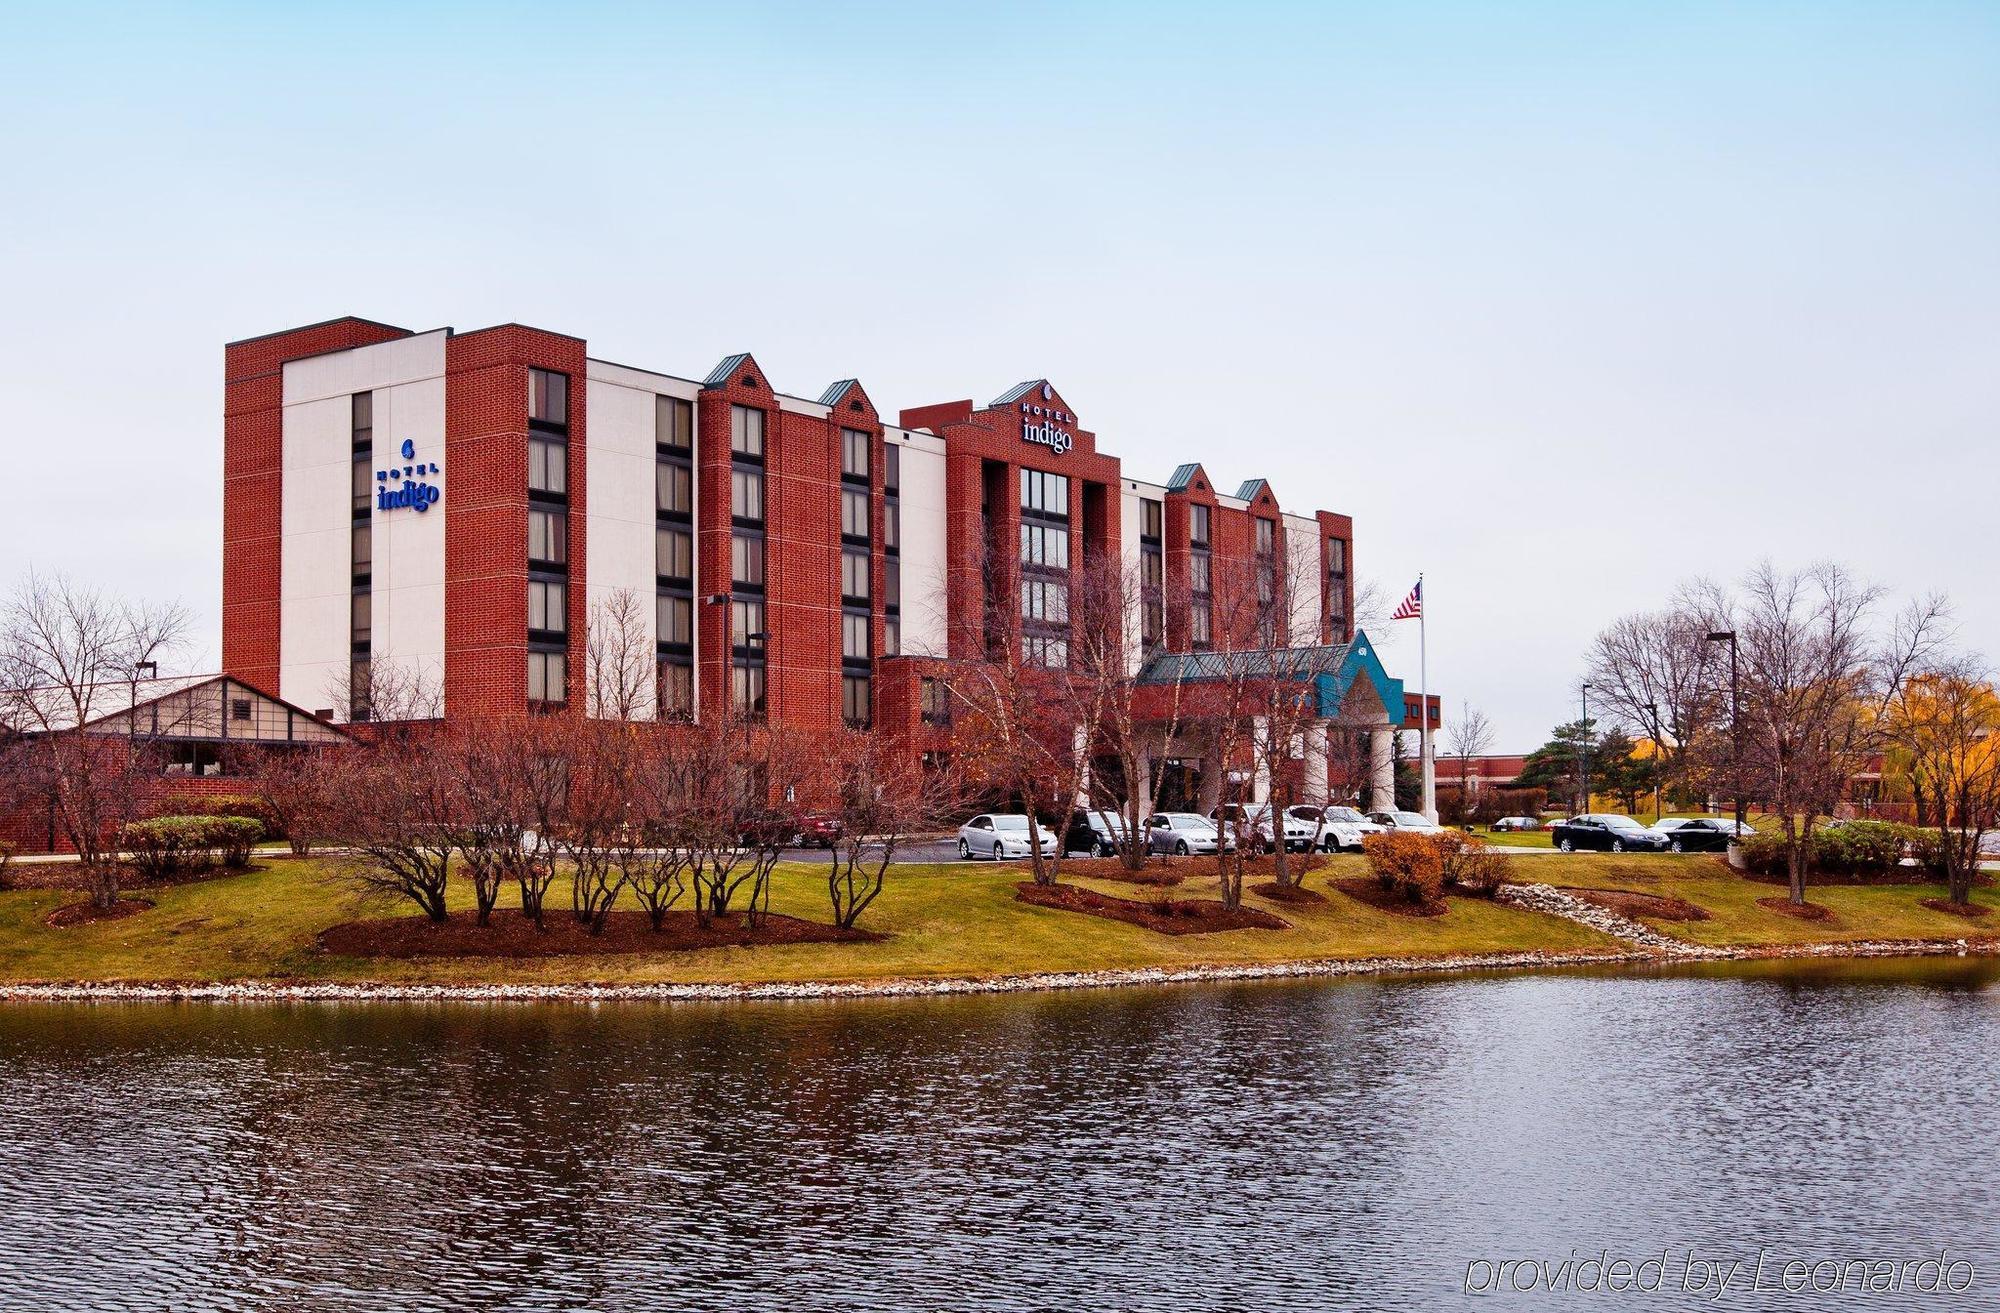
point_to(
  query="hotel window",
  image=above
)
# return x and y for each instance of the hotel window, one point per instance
(892, 583)
(361, 551)
(892, 636)
(892, 525)
(746, 433)
(548, 537)
(1200, 575)
(892, 468)
(673, 424)
(548, 403)
(933, 701)
(1267, 536)
(673, 551)
(548, 604)
(1045, 599)
(1044, 568)
(1152, 573)
(548, 677)
(853, 515)
(673, 489)
(1200, 628)
(548, 465)
(854, 701)
(364, 482)
(746, 560)
(854, 455)
(1201, 598)
(1046, 650)
(676, 690)
(746, 690)
(360, 680)
(854, 636)
(361, 420)
(1267, 582)
(1045, 545)
(746, 626)
(675, 618)
(1198, 525)
(746, 496)
(854, 577)
(1336, 590)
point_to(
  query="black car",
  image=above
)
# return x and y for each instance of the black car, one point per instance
(1610, 833)
(1701, 835)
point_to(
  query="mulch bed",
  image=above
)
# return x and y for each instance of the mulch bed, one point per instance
(68, 875)
(1171, 870)
(1804, 912)
(84, 913)
(1370, 891)
(1956, 909)
(513, 935)
(1629, 902)
(1287, 893)
(1177, 916)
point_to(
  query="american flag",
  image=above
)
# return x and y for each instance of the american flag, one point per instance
(1413, 605)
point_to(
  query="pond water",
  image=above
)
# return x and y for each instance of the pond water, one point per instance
(1360, 1144)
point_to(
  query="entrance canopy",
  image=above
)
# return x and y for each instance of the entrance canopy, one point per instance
(1334, 670)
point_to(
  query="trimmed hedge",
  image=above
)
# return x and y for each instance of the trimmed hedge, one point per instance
(177, 845)
(222, 804)
(1860, 849)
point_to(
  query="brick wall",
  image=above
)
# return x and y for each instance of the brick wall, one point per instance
(253, 394)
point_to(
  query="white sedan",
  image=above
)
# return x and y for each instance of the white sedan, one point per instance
(998, 835)
(1405, 822)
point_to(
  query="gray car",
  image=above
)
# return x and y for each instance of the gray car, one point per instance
(998, 835)
(1183, 834)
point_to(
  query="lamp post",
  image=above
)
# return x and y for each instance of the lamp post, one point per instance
(1735, 723)
(1653, 715)
(1583, 748)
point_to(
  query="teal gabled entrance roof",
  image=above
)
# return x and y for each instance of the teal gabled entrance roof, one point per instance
(1332, 668)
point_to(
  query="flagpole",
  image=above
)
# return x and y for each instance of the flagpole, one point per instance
(1428, 761)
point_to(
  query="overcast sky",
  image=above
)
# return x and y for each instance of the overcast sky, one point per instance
(1563, 303)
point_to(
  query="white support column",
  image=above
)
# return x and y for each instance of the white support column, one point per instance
(1382, 769)
(1314, 792)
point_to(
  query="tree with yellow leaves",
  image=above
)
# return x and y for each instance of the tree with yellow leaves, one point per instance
(1946, 721)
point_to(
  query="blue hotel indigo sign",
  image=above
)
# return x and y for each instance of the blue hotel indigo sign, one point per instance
(414, 492)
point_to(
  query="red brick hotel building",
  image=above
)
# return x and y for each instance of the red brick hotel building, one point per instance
(459, 505)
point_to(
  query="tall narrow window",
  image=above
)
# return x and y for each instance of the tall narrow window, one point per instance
(746, 433)
(854, 701)
(361, 555)
(746, 496)
(1336, 591)
(854, 455)
(548, 397)
(1201, 582)
(673, 553)
(548, 537)
(1152, 574)
(1044, 599)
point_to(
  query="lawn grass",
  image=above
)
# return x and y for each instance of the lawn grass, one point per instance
(941, 920)
(1860, 912)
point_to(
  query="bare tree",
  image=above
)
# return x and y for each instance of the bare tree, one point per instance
(620, 662)
(1656, 670)
(1471, 736)
(390, 691)
(1818, 682)
(885, 794)
(597, 821)
(1018, 731)
(396, 807)
(659, 852)
(1947, 720)
(71, 656)
(289, 784)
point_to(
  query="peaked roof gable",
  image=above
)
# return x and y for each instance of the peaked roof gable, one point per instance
(740, 368)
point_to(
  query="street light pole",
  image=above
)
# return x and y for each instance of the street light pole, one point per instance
(1735, 723)
(1583, 748)
(1653, 714)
